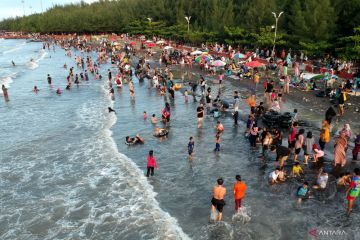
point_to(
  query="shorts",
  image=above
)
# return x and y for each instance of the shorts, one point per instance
(341, 106)
(350, 198)
(190, 152)
(297, 151)
(218, 204)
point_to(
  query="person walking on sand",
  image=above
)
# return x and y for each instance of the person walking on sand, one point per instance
(239, 192)
(218, 202)
(5, 92)
(151, 164)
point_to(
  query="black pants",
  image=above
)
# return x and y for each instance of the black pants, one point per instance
(150, 169)
(236, 117)
(252, 140)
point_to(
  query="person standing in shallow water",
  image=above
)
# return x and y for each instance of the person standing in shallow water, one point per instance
(218, 202)
(151, 164)
(5, 92)
(49, 79)
(239, 192)
(191, 146)
(354, 189)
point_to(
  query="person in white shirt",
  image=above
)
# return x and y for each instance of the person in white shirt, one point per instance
(273, 176)
(322, 180)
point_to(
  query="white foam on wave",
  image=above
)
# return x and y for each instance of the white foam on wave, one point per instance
(16, 48)
(32, 65)
(7, 80)
(42, 55)
(168, 224)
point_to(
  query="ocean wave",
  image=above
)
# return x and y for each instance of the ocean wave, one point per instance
(42, 55)
(168, 225)
(32, 65)
(16, 48)
(7, 80)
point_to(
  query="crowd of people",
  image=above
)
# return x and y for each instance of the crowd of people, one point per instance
(302, 148)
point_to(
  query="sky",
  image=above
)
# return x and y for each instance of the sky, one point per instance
(13, 8)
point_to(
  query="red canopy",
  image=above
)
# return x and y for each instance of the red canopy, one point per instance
(254, 64)
(132, 43)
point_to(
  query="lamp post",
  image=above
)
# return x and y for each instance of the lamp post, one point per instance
(276, 26)
(188, 21)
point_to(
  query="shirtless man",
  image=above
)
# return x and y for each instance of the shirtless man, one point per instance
(217, 202)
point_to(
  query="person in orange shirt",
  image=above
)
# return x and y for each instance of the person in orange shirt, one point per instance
(239, 192)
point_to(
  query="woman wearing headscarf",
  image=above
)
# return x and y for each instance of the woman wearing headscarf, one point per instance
(340, 150)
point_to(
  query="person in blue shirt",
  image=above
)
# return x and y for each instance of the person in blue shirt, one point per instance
(303, 192)
(191, 146)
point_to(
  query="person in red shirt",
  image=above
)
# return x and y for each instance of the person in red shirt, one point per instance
(239, 192)
(151, 164)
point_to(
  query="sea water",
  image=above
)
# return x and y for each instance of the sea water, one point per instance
(61, 174)
(66, 172)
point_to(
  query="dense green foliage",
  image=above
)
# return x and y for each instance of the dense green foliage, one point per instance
(314, 26)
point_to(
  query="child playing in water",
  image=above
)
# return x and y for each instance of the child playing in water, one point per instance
(282, 174)
(297, 170)
(145, 116)
(186, 95)
(303, 192)
(191, 146)
(153, 119)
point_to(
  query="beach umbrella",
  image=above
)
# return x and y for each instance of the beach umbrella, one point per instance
(206, 58)
(148, 41)
(239, 56)
(160, 42)
(218, 63)
(150, 45)
(197, 52)
(254, 64)
(132, 43)
(168, 47)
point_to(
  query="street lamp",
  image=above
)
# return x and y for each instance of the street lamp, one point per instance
(188, 21)
(276, 25)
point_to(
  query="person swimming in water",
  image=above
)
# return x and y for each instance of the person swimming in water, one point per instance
(13, 63)
(111, 110)
(36, 90)
(136, 139)
(160, 132)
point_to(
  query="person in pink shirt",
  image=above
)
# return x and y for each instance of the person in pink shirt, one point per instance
(151, 164)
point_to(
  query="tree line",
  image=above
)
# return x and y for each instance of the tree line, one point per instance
(313, 26)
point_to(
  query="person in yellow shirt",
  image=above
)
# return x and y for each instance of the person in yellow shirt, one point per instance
(324, 135)
(256, 80)
(297, 170)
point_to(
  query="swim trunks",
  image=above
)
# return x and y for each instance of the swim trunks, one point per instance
(218, 204)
